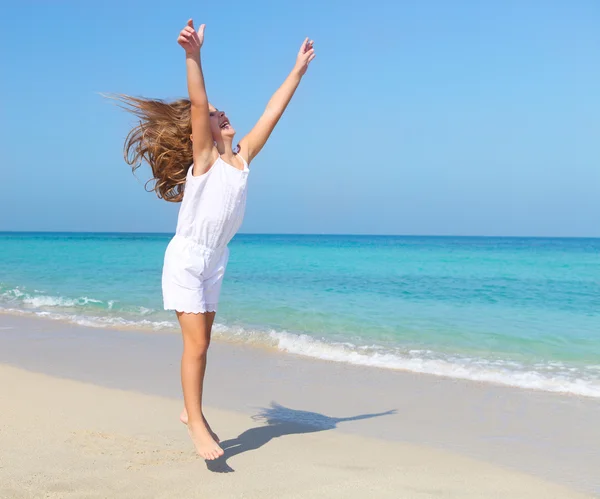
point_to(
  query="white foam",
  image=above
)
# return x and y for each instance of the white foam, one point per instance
(46, 301)
(550, 376)
(52, 301)
(98, 322)
(497, 372)
(145, 311)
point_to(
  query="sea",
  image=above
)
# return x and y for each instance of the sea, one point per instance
(522, 312)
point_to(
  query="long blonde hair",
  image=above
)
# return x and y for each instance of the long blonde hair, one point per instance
(162, 139)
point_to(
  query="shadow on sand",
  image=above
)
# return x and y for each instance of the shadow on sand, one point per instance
(279, 421)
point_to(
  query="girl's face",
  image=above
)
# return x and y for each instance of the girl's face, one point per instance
(219, 124)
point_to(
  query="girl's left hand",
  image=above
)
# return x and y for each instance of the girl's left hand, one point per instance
(305, 55)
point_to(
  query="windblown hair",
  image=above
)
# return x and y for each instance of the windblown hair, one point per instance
(162, 139)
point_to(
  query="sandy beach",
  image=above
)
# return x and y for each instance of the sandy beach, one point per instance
(94, 413)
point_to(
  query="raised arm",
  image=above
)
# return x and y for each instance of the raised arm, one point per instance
(252, 143)
(192, 40)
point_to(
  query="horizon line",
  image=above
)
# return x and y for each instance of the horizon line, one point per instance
(300, 234)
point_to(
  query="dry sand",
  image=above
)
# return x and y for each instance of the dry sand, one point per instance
(61, 438)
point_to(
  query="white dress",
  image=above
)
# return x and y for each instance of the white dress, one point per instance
(211, 213)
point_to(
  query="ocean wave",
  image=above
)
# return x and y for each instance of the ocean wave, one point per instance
(115, 322)
(52, 301)
(37, 299)
(551, 376)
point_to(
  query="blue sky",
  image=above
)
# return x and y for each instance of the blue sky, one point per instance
(416, 117)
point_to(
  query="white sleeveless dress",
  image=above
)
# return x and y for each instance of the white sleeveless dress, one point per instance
(211, 213)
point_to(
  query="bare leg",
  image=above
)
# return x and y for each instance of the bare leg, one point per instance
(196, 339)
(209, 318)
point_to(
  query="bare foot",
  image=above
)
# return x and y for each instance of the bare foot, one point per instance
(206, 447)
(184, 419)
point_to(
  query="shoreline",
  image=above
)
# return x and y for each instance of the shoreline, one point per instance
(554, 437)
(297, 345)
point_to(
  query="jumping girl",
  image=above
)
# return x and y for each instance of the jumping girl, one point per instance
(188, 145)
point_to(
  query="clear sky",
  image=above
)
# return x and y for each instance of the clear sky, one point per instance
(416, 117)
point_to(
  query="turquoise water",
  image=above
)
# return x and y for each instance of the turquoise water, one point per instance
(522, 312)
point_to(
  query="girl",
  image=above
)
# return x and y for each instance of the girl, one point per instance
(188, 145)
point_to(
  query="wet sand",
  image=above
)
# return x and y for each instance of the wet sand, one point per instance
(97, 417)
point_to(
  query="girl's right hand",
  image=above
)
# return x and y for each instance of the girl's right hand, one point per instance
(305, 55)
(190, 39)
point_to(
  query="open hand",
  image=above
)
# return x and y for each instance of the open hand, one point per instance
(190, 39)
(305, 55)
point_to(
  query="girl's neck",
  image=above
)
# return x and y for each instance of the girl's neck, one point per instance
(225, 150)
